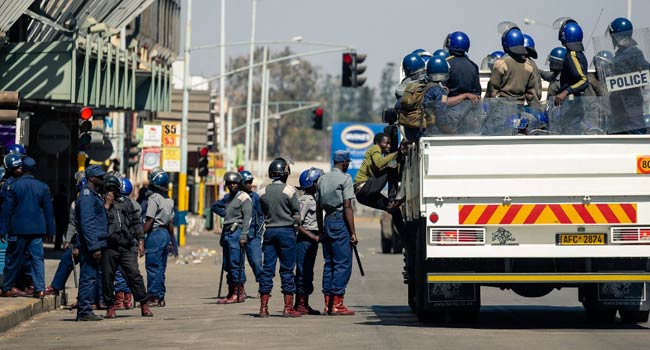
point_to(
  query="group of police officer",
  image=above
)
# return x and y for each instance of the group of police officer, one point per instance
(454, 86)
(107, 232)
(279, 224)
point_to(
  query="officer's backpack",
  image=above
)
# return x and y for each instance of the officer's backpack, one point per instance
(412, 113)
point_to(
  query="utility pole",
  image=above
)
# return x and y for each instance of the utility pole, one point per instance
(222, 80)
(249, 97)
(182, 176)
(263, 109)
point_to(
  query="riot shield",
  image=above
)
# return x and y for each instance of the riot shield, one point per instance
(623, 69)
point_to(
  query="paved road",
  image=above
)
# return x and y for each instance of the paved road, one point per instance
(192, 320)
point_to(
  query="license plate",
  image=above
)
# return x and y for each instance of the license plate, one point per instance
(582, 239)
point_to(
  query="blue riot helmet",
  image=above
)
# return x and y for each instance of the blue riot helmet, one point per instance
(603, 62)
(437, 69)
(488, 61)
(556, 59)
(155, 171)
(424, 54)
(529, 44)
(571, 36)
(412, 64)
(621, 31)
(309, 177)
(13, 161)
(442, 53)
(246, 176)
(160, 180)
(512, 41)
(17, 149)
(457, 42)
(126, 187)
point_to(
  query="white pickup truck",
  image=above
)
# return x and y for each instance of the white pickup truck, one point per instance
(530, 214)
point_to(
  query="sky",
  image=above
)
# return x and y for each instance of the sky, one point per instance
(388, 30)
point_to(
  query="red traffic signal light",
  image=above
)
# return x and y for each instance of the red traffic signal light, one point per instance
(347, 58)
(318, 112)
(352, 70)
(203, 152)
(86, 113)
(318, 118)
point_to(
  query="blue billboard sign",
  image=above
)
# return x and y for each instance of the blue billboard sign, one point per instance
(355, 138)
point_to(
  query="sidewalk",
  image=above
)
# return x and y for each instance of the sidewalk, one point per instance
(13, 311)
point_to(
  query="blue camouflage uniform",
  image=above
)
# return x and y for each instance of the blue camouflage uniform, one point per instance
(254, 243)
(463, 78)
(573, 79)
(333, 189)
(92, 226)
(627, 105)
(27, 215)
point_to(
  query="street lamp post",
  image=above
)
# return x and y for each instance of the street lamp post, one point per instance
(182, 176)
(222, 80)
(249, 97)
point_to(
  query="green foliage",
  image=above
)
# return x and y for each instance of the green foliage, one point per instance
(293, 134)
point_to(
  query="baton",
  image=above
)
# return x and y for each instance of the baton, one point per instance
(220, 280)
(356, 254)
(241, 269)
(74, 270)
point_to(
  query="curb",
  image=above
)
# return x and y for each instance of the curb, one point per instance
(12, 315)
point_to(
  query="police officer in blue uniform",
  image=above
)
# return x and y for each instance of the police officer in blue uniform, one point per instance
(463, 79)
(159, 227)
(627, 105)
(27, 215)
(254, 243)
(236, 210)
(335, 194)
(93, 235)
(282, 216)
(573, 78)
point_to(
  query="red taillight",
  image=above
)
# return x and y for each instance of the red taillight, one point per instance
(433, 217)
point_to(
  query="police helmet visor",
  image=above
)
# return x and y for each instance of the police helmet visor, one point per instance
(505, 26)
(560, 22)
(519, 50)
(531, 52)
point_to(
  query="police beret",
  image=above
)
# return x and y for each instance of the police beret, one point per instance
(94, 170)
(29, 164)
(341, 156)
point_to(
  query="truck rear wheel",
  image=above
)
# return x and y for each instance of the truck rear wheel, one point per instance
(634, 316)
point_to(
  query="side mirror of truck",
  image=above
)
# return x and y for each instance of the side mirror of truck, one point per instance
(389, 116)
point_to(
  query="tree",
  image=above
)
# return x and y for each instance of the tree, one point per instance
(387, 86)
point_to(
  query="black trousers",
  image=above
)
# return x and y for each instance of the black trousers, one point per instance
(370, 195)
(127, 260)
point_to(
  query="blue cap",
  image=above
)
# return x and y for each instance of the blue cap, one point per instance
(94, 170)
(29, 164)
(341, 156)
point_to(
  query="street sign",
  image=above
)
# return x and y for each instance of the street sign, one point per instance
(53, 137)
(100, 147)
(150, 158)
(171, 159)
(355, 138)
(171, 134)
(151, 135)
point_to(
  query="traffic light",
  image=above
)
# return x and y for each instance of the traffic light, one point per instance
(352, 70)
(203, 162)
(85, 125)
(317, 117)
(133, 152)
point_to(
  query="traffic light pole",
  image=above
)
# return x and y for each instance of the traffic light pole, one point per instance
(182, 176)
